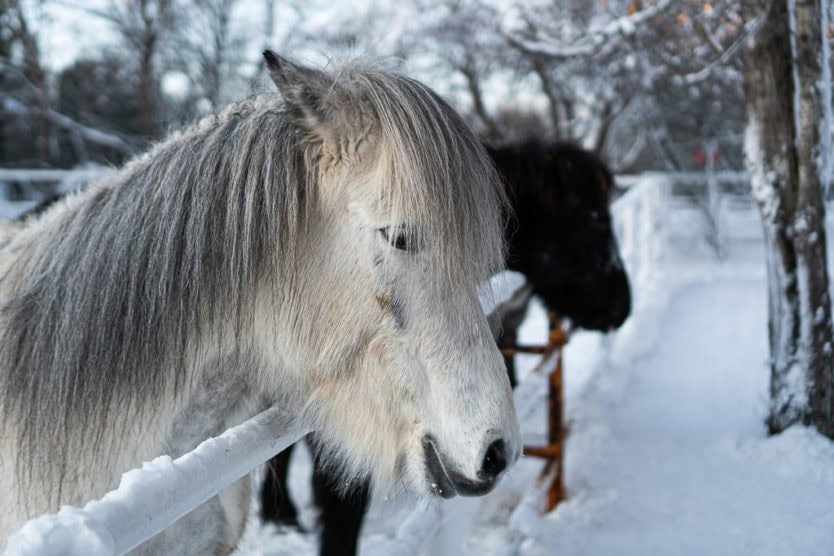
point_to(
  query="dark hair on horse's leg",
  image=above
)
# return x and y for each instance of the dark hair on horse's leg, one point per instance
(276, 506)
(341, 514)
(509, 361)
(508, 337)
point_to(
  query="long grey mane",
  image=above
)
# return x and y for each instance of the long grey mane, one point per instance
(103, 310)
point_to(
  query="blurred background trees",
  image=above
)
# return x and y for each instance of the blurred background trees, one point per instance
(649, 84)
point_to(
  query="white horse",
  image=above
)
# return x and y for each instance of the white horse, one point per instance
(318, 252)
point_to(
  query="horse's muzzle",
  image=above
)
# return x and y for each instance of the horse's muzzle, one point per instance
(447, 482)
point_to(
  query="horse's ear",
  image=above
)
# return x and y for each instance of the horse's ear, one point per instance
(310, 94)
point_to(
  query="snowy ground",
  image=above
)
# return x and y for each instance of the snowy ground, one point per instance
(667, 452)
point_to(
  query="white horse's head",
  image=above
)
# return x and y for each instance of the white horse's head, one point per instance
(387, 333)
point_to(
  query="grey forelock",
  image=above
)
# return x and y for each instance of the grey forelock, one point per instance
(441, 178)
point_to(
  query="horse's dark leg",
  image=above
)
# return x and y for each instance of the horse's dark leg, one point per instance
(341, 516)
(276, 505)
(509, 337)
(505, 322)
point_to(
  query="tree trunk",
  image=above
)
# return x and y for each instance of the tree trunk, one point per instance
(153, 16)
(147, 93)
(817, 333)
(33, 70)
(552, 99)
(474, 86)
(606, 118)
(783, 104)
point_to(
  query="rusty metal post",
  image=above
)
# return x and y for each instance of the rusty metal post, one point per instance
(556, 413)
(553, 452)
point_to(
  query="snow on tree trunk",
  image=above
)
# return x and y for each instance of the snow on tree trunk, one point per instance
(816, 331)
(783, 67)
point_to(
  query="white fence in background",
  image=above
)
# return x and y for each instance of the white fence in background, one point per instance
(638, 220)
(151, 498)
(21, 189)
(38, 183)
(641, 215)
(37, 176)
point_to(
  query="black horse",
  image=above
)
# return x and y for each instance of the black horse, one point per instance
(561, 239)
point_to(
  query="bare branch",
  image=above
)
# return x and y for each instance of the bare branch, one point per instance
(591, 42)
(750, 29)
(708, 37)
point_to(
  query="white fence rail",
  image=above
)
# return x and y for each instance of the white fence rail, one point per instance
(640, 214)
(638, 220)
(151, 498)
(38, 183)
(22, 189)
(38, 176)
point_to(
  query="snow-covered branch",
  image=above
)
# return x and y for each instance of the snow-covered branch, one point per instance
(750, 29)
(596, 38)
(13, 106)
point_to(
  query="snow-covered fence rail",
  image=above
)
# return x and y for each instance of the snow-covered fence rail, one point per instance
(641, 214)
(638, 219)
(80, 176)
(21, 189)
(151, 498)
(40, 183)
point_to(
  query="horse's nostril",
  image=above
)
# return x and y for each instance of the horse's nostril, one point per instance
(495, 460)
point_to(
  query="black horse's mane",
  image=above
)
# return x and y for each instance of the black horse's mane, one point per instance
(541, 170)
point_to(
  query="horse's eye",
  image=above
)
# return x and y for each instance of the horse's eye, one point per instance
(399, 239)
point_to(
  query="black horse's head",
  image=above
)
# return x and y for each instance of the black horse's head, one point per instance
(560, 236)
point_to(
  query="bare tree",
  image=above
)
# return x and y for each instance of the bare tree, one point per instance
(34, 76)
(33, 128)
(587, 55)
(457, 32)
(786, 77)
(144, 25)
(209, 48)
(662, 65)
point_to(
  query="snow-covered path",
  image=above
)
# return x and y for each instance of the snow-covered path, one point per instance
(680, 463)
